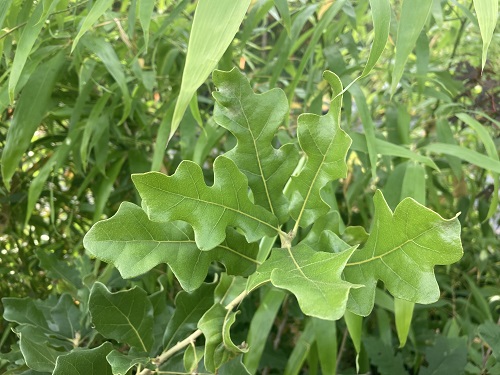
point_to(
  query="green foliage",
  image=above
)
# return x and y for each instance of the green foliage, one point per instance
(303, 198)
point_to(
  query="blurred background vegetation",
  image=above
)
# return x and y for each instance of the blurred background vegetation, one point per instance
(96, 113)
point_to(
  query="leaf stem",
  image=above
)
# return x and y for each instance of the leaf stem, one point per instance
(188, 340)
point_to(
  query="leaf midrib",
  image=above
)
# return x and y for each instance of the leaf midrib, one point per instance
(214, 204)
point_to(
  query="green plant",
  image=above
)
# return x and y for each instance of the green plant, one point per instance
(257, 278)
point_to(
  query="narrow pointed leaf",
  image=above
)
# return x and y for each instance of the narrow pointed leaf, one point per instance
(146, 8)
(126, 316)
(487, 17)
(4, 9)
(97, 10)
(326, 339)
(215, 325)
(314, 277)
(35, 23)
(325, 145)
(134, 244)
(402, 250)
(210, 210)
(85, 362)
(104, 50)
(403, 311)
(413, 17)
(282, 6)
(215, 24)
(381, 14)
(254, 120)
(30, 110)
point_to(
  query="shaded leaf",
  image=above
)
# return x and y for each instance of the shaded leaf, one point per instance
(447, 356)
(189, 308)
(300, 350)
(490, 333)
(30, 110)
(85, 362)
(260, 327)
(145, 8)
(383, 357)
(314, 277)
(402, 250)
(134, 244)
(325, 145)
(209, 210)
(126, 316)
(254, 120)
(325, 333)
(219, 348)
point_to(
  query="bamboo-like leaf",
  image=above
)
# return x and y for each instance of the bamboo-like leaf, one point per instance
(97, 10)
(314, 277)
(381, 14)
(282, 6)
(4, 9)
(413, 17)
(215, 325)
(300, 350)
(125, 316)
(325, 333)
(402, 250)
(260, 327)
(30, 110)
(209, 210)
(146, 8)
(134, 245)
(28, 38)
(214, 25)
(107, 54)
(487, 17)
(466, 154)
(491, 150)
(254, 120)
(325, 145)
(403, 311)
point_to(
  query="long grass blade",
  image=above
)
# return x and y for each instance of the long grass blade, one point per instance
(487, 16)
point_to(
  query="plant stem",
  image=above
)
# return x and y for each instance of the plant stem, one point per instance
(188, 340)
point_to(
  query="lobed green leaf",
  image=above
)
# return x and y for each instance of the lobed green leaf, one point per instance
(209, 210)
(254, 120)
(134, 245)
(402, 250)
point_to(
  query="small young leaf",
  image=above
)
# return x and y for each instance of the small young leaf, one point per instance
(402, 250)
(85, 362)
(126, 316)
(254, 120)
(209, 210)
(314, 277)
(134, 244)
(215, 325)
(325, 145)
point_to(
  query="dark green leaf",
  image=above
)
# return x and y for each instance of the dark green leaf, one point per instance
(126, 316)
(85, 362)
